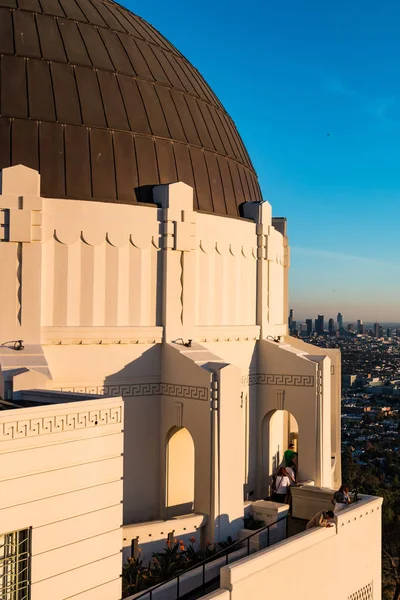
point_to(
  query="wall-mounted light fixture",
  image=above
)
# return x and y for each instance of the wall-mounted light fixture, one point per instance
(188, 344)
(15, 344)
(270, 337)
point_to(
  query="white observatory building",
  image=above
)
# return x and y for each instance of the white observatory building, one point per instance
(149, 385)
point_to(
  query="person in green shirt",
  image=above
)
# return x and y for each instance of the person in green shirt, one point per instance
(290, 457)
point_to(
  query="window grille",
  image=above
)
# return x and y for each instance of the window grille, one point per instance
(364, 593)
(15, 558)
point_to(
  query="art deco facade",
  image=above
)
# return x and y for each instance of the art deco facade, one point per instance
(148, 283)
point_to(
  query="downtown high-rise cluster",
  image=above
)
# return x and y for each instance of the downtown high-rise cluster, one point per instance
(334, 327)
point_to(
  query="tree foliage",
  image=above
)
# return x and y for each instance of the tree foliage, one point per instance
(381, 477)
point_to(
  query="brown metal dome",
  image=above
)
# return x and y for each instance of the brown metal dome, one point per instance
(105, 107)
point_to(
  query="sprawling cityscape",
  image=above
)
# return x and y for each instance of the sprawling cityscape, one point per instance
(370, 417)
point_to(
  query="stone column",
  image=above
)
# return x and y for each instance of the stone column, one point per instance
(178, 260)
(227, 457)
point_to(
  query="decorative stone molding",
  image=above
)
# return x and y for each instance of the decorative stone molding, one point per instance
(190, 392)
(279, 379)
(141, 242)
(143, 389)
(364, 593)
(178, 414)
(101, 335)
(227, 333)
(209, 246)
(20, 219)
(359, 510)
(60, 423)
(280, 399)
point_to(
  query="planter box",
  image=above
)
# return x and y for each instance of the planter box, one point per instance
(269, 511)
(307, 500)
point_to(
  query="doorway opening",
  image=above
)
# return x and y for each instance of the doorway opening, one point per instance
(279, 429)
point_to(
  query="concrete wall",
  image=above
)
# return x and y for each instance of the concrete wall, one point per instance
(132, 371)
(327, 563)
(226, 270)
(94, 261)
(336, 398)
(61, 475)
(299, 382)
(105, 298)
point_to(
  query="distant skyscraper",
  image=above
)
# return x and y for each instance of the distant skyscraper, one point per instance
(319, 325)
(360, 326)
(331, 327)
(340, 321)
(309, 326)
(290, 320)
(350, 327)
(376, 330)
(388, 332)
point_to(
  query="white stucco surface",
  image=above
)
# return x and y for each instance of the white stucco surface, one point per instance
(61, 475)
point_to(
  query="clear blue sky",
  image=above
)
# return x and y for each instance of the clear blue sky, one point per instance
(289, 73)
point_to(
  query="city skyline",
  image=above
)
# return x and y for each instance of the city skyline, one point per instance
(321, 129)
(302, 318)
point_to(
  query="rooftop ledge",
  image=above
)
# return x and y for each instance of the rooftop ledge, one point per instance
(366, 508)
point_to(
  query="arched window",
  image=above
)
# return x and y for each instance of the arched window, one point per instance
(180, 473)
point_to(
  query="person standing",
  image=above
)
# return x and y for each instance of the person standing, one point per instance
(282, 485)
(291, 474)
(290, 457)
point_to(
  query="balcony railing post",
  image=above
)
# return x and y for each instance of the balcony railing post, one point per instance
(204, 577)
(248, 545)
(268, 536)
(177, 587)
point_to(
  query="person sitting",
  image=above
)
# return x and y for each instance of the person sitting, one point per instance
(321, 519)
(282, 485)
(341, 498)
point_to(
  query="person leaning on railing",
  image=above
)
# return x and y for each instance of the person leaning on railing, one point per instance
(324, 518)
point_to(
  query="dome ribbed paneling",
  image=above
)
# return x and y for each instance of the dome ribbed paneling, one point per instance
(105, 107)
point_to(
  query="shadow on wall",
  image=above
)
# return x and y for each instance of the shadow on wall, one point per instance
(251, 416)
(225, 529)
(139, 384)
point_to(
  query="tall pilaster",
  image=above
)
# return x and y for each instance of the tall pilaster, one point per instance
(20, 255)
(261, 214)
(178, 259)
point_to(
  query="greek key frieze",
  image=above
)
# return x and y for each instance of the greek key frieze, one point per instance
(60, 423)
(191, 392)
(279, 379)
(175, 390)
